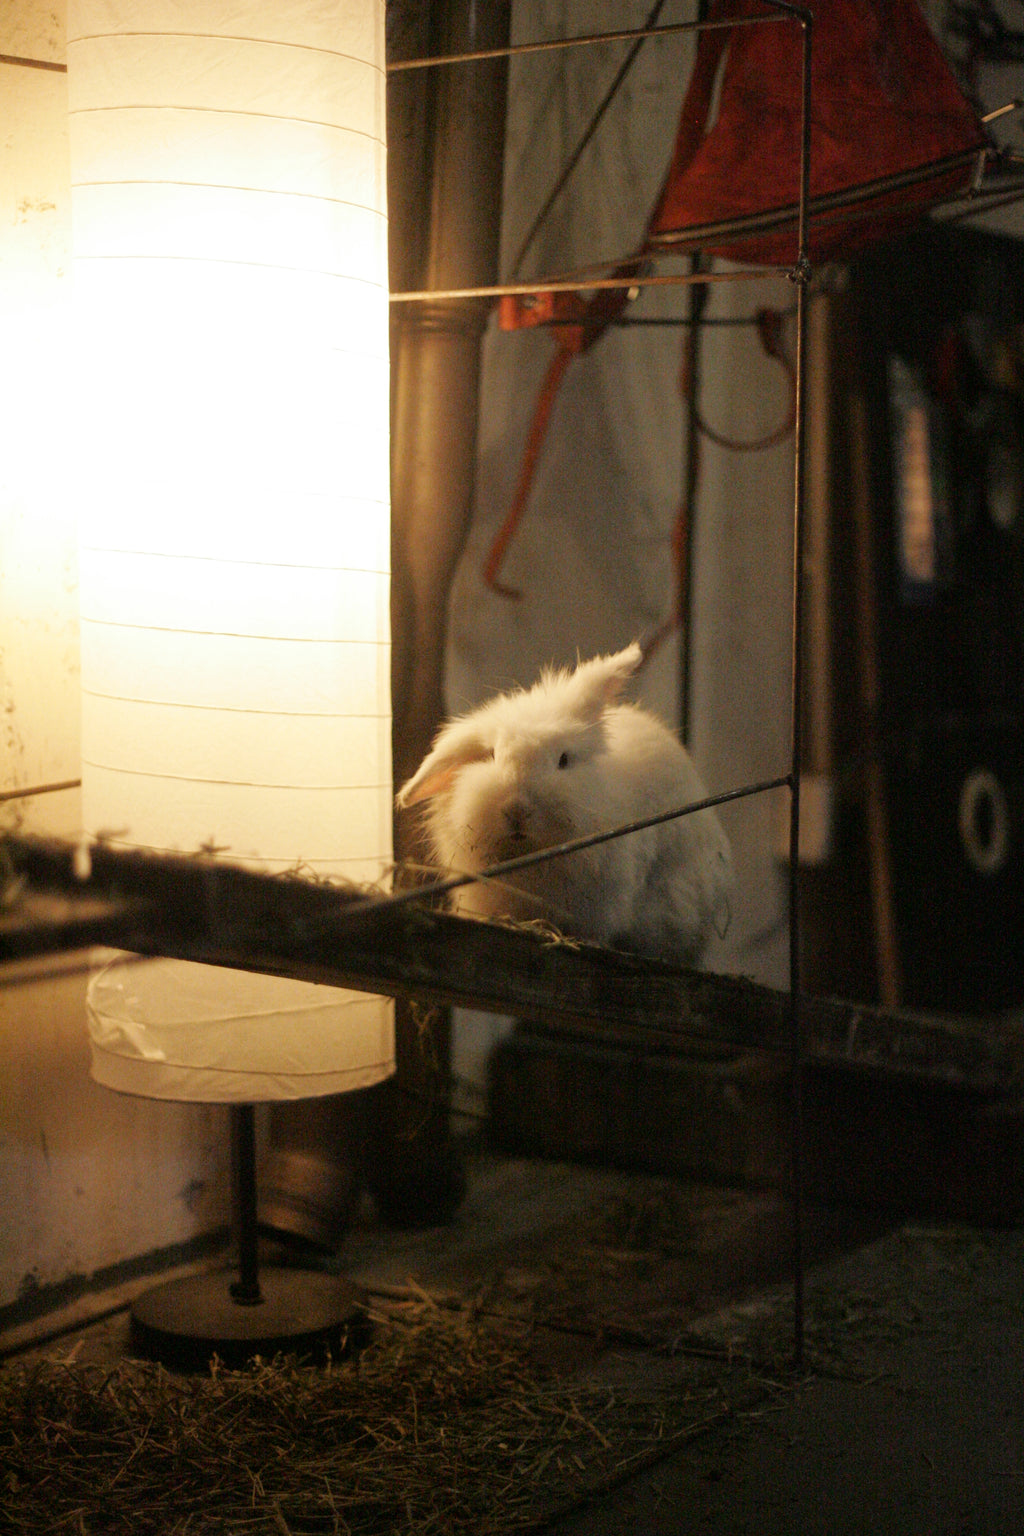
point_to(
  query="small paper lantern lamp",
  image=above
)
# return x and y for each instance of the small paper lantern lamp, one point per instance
(229, 227)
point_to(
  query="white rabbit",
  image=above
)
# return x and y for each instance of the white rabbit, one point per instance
(562, 760)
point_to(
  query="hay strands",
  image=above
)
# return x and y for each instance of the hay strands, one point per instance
(439, 1427)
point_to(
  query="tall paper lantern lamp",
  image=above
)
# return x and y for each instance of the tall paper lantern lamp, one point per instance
(229, 225)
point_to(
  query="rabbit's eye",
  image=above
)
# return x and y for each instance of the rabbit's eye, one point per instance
(563, 761)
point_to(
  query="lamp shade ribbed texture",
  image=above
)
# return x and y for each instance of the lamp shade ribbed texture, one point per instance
(229, 229)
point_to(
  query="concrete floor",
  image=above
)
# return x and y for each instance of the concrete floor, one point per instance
(908, 1416)
(908, 1419)
(931, 1443)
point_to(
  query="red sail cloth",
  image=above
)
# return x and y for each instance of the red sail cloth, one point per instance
(891, 133)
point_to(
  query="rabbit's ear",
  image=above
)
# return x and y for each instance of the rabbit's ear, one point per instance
(597, 684)
(457, 745)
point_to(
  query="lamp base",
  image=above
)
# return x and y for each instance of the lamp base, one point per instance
(186, 1322)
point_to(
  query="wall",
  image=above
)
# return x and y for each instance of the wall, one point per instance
(88, 1180)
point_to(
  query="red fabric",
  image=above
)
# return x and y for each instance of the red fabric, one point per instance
(891, 134)
(884, 104)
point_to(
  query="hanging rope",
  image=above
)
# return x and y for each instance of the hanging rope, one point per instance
(577, 325)
(770, 332)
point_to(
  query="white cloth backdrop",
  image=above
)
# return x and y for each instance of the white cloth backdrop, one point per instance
(592, 556)
(593, 553)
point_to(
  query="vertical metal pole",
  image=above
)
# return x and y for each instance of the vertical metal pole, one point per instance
(688, 502)
(246, 1289)
(801, 276)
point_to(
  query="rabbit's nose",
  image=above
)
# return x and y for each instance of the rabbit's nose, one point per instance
(516, 815)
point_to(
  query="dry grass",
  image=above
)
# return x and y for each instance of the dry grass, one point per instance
(444, 1424)
(437, 1427)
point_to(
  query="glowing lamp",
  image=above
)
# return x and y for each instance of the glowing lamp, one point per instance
(229, 227)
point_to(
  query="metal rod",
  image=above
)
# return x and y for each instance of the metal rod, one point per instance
(23, 63)
(38, 789)
(588, 133)
(801, 276)
(579, 284)
(246, 1289)
(983, 202)
(559, 850)
(585, 39)
(1016, 105)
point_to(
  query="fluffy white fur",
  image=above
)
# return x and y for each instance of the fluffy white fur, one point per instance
(561, 760)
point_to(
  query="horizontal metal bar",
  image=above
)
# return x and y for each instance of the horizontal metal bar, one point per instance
(39, 789)
(1016, 105)
(562, 850)
(586, 284)
(584, 40)
(23, 63)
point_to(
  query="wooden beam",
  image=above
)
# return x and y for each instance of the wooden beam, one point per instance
(201, 910)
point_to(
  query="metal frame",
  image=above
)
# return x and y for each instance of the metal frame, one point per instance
(800, 274)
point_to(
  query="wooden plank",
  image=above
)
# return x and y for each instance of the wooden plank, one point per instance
(43, 922)
(197, 909)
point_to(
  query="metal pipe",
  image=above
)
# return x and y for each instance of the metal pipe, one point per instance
(436, 365)
(416, 1173)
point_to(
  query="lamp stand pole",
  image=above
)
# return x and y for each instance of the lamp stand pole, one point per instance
(185, 1323)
